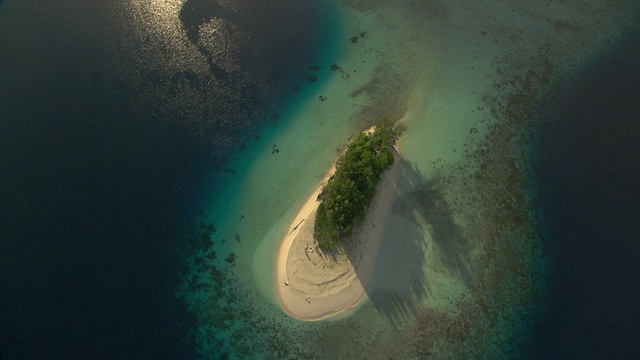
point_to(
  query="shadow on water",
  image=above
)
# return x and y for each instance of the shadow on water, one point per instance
(420, 221)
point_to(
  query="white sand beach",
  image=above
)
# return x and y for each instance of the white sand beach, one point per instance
(313, 285)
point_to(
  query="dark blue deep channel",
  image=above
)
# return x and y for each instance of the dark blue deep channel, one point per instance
(104, 163)
(588, 177)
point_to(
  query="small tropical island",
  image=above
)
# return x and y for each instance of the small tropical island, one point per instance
(345, 199)
(330, 250)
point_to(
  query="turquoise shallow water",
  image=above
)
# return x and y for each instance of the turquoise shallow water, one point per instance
(231, 300)
(469, 265)
(111, 121)
(254, 198)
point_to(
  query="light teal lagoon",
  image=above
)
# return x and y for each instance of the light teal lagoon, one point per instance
(462, 269)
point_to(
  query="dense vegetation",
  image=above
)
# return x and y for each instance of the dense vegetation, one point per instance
(346, 197)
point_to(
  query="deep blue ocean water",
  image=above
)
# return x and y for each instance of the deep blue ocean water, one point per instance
(99, 189)
(587, 172)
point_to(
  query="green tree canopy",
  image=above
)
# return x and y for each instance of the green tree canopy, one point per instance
(345, 199)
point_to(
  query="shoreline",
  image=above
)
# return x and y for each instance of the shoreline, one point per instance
(311, 285)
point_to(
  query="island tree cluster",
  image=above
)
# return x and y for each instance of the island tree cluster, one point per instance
(347, 196)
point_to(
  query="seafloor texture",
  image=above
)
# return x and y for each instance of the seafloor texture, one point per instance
(113, 115)
(120, 119)
(461, 272)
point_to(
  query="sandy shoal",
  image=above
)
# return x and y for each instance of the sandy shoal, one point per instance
(312, 285)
